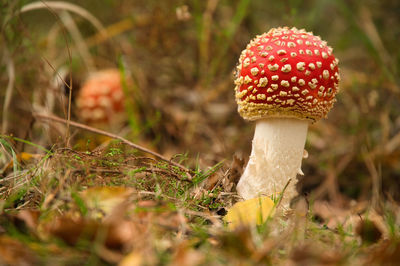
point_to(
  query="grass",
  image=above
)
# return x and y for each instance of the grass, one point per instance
(103, 203)
(166, 208)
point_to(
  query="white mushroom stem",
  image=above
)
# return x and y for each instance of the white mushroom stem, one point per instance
(276, 156)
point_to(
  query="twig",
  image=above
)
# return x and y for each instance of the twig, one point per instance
(205, 36)
(108, 134)
(66, 6)
(375, 176)
(69, 86)
(330, 185)
(82, 49)
(110, 31)
(368, 25)
(9, 89)
(392, 144)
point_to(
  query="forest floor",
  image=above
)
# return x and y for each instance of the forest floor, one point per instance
(156, 190)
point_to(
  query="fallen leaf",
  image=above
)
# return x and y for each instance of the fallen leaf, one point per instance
(236, 168)
(250, 212)
(30, 218)
(132, 259)
(212, 180)
(24, 220)
(23, 158)
(185, 254)
(108, 255)
(238, 242)
(311, 254)
(334, 217)
(368, 231)
(116, 235)
(386, 252)
(71, 230)
(105, 199)
(364, 222)
(13, 252)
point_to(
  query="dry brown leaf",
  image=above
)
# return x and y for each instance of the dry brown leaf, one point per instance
(71, 230)
(117, 235)
(371, 227)
(212, 180)
(109, 255)
(368, 231)
(309, 254)
(367, 224)
(186, 255)
(25, 220)
(236, 169)
(13, 252)
(123, 228)
(125, 233)
(385, 253)
(333, 216)
(147, 204)
(162, 220)
(30, 218)
(238, 242)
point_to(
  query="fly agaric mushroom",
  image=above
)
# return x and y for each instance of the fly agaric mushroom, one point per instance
(100, 100)
(286, 79)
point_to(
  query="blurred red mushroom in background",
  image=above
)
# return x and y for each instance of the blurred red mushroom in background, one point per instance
(100, 101)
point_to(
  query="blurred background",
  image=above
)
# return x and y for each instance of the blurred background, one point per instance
(176, 60)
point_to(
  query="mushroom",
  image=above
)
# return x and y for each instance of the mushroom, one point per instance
(100, 100)
(285, 79)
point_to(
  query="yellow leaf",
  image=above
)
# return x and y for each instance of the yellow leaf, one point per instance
(23, 157)
(105, 199)
(250, 212)
(132, 259)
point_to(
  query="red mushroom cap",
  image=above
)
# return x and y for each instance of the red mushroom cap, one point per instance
(101, 98)
(286, 73)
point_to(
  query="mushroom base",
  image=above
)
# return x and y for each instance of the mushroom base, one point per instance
(277, 152)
